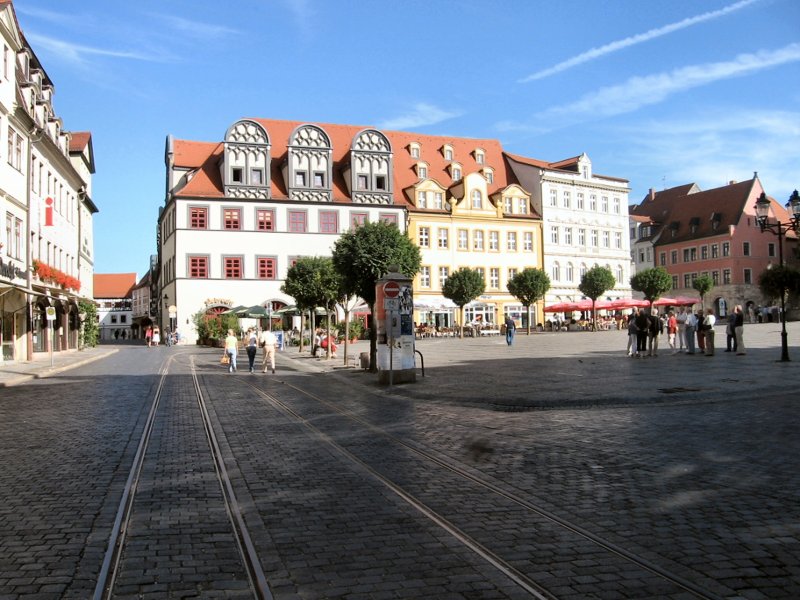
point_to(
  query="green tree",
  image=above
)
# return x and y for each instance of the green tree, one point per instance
(703, 285)
(594, 283)
(776, 282)
(363, 255)
(312, 281)
(529, 286)
(462, 287)
(211, 326)
(652, 283)
(90, 329)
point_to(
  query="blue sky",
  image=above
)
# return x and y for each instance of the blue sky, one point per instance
(659, 93)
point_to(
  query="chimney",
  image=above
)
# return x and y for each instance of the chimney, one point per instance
(732, 182)
(652, 194)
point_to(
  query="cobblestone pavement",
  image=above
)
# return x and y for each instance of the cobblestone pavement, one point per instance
(686, 462)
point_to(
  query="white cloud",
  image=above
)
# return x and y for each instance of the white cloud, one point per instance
(639, 38)
(647, 90)
(422, 114)
(712, 149)
(196, 28)
(79, 54)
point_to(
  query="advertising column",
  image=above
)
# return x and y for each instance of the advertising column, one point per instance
(394, 308)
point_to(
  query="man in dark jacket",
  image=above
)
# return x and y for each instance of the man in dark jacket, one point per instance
(655, 328)
(643, 327)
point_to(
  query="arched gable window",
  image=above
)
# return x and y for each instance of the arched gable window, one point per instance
(246, 163)
(371, 168)
(308, 170)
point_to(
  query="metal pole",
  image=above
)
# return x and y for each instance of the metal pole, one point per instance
(784, 335)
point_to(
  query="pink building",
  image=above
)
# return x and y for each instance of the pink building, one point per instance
(692, 232)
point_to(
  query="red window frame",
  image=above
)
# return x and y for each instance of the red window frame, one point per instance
(328, 221)
(198, 267)
(265, 219)
(298, 221)
(198, 217)
(267, 268)
(232, 267)
(357, 219)
(232, 218)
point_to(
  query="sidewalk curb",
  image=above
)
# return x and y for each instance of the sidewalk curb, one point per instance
(50, 371)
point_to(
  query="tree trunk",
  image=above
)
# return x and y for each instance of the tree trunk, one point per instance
(302, 323)
(329, 349)
(346, 334)
(373, 342)
(528, 307)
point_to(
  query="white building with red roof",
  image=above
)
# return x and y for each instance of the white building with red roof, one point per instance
(46, 245)
(240, 211)
(113, 295)
(584, 223)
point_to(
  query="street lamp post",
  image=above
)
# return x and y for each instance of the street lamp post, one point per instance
(779, 229)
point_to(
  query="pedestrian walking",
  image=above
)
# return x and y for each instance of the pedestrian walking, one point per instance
(672, 330)
(642, 329)
(708, 331)
(701, 331)
(148, 336)
(511, 328)
(633, 336)
(691, 325)
(655, 328)
(681, 320)
(730, 333)
(738, 330)
(231, 344)
(251, 347)
(156, 336)
(268, 342)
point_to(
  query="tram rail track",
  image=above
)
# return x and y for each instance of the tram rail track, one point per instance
(533, 588)
(105, 585)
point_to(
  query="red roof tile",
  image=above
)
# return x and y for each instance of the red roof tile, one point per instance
(204, 157)
(113, 285)
(79, 140)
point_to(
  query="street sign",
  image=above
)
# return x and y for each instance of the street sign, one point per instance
(173, 311)
(391, 304)
(391, 289)
(50, 311)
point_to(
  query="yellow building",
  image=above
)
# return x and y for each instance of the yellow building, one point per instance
(466, 209)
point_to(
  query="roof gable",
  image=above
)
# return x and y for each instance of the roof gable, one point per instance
(114, 285)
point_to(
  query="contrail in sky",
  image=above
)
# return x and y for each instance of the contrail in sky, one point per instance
(639, 38)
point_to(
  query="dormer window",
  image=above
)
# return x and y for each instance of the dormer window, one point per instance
(368, 173)
(245, 168)
(480, 157)
(422, 170)
(489, 174)
(413, 149)
(694, 223)
(422, 200)
(308, 166)
(455, 171)
(447, 151)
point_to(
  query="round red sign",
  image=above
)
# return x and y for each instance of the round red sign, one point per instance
(391, 289)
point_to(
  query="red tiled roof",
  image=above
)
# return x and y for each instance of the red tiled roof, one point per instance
(79, 140)
(204, 157)
(693, 215)
(113, 285)
(561, 165)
